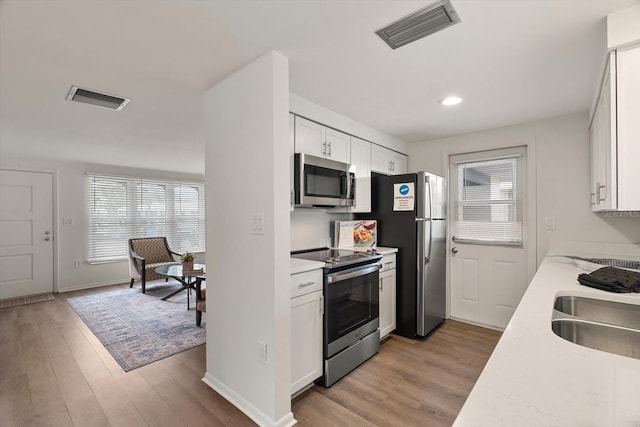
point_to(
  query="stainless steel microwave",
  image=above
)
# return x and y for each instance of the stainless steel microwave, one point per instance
(322, 182)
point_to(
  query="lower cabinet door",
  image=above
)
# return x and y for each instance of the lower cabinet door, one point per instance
(387, 302)
(306, 340)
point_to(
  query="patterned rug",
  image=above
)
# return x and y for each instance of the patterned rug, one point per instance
(138, 329)
(30, 299)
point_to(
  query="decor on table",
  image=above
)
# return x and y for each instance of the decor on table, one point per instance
(139, 329)
(187, 261)
(145, 255)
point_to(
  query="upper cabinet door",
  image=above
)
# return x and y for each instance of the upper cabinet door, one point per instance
(310, 138)
(321, 141)
(338, 146)
(627, 114)
(361, 158)
(386, 161)
(399, 163)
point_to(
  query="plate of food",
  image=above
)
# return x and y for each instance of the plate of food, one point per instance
(364, 234)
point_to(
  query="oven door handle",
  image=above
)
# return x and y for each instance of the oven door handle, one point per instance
(351, 273)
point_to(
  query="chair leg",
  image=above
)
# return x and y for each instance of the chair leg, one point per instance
(131, 284)
(166, 279)
(198, 317)
(144, 284)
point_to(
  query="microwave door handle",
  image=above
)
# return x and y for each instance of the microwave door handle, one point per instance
(344, 185)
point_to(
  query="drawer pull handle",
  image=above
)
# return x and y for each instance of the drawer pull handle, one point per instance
(305, 284)
(388, 263)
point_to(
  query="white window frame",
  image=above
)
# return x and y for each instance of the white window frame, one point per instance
(509, 233)
(110, 230)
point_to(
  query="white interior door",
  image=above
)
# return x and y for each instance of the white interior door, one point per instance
(26, 234)
(489, 256)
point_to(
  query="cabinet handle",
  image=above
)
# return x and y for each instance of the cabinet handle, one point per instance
(388, 263)
(393, 165)
(329, 149)
(598, 191)
(389, 165)
(591, 199)
(324, 148)
(305, 284)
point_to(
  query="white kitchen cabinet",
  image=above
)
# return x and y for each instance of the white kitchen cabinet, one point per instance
(614, 135)
(361, 158)
(292, 129)
(318, 140)
(386, 161)
(307, 306)
(387, 287)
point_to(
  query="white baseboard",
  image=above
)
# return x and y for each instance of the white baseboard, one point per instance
(246, 407)
(92, 285)
(482, 325)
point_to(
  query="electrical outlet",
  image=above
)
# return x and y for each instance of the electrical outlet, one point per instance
(257, 223)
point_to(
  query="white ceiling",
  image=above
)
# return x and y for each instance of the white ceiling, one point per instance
(512, 61)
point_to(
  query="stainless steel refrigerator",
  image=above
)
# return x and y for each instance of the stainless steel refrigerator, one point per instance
(411, 213)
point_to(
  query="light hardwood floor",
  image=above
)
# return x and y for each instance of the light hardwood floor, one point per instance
(54, 371)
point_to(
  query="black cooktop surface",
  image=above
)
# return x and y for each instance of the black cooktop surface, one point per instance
(337, 257)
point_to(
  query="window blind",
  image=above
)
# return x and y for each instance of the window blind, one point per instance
(488, 207)
(121, 208)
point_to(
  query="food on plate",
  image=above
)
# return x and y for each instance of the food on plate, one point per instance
(362, 235)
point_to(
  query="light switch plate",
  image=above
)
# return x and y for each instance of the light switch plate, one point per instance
(550, 223)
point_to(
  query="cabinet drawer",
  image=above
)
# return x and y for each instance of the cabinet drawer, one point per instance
(304, 283)
(388, 262)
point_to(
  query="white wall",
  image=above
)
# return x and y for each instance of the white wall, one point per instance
(562, 187)
(312, 228)
(247, 171)
(71, 241)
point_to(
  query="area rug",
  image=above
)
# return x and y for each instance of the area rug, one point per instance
(138, 329)
(29, 299)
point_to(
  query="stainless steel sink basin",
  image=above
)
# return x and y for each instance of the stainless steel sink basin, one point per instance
(608, 326)
(609, 312)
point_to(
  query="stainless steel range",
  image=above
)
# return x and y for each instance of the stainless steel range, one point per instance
(351, 308)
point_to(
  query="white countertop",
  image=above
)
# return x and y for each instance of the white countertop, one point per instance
(303, 265)
(535, 378)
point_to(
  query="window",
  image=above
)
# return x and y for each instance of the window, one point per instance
(488, 204)
(123, 208)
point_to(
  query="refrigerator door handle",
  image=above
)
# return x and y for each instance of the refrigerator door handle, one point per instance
(430, 212)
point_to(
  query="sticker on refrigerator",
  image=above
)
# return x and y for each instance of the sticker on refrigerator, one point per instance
(403, 197)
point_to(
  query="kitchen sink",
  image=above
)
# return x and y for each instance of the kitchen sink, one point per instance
(596, 310)
(608, 326)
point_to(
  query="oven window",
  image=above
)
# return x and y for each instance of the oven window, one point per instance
(350, 304)
(323, 182)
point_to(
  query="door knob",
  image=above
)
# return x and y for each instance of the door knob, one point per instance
(46, 239)
(454, 250)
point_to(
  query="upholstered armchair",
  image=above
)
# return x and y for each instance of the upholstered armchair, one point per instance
(145, 255)
(201, 300)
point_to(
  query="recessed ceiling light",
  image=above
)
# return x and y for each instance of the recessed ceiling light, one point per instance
(451, 100)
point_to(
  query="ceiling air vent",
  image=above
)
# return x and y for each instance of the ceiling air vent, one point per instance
(421, 23)
(96, 98)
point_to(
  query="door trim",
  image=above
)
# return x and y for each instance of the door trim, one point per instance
(531, 229)
(54, 228)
